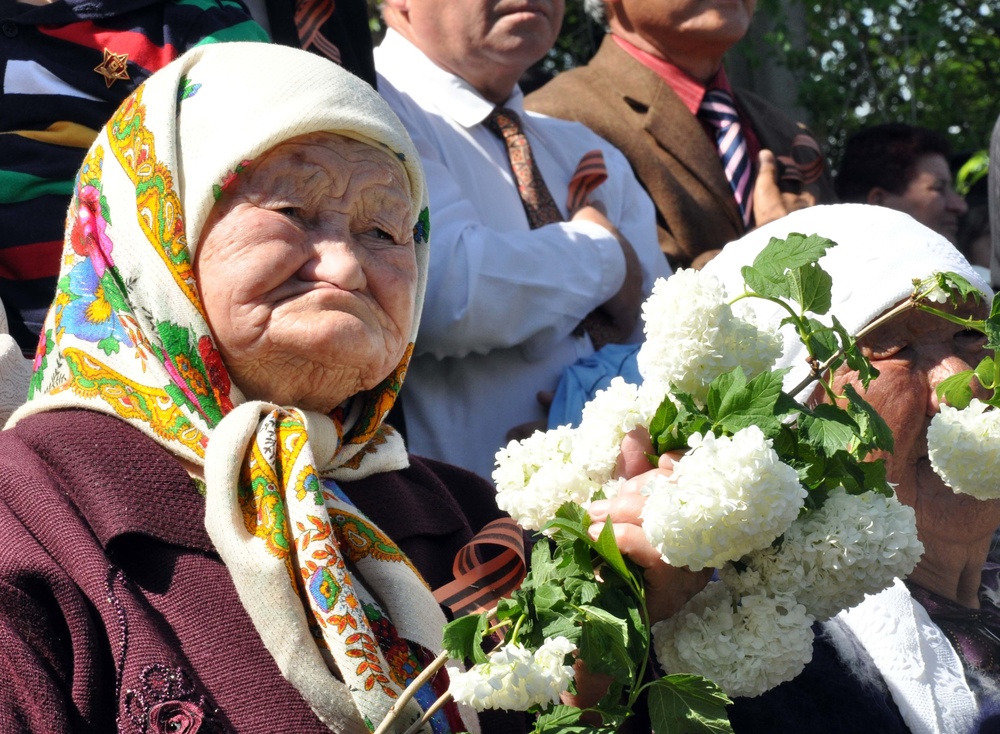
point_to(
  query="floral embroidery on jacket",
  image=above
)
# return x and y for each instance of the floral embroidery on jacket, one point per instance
(166, 701)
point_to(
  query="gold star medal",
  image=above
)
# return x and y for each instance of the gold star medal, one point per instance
(113, 68)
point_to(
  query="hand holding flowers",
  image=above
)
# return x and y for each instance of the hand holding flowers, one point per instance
(779, 496)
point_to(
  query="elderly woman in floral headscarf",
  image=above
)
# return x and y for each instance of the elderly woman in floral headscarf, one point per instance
(249, 231)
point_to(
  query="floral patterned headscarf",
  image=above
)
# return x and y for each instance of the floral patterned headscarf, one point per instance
(127, 336)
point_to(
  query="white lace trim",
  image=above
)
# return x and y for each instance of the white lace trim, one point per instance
(919, 665)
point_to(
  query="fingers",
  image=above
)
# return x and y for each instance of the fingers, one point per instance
(767, 175)
(667, 588)
(767, 202)
(634, 456)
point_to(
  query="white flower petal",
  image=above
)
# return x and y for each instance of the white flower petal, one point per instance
(746, 649)
(964, 449)
(727, 497)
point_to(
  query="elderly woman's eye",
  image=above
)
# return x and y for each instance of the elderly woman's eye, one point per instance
(970, 338)
(381, 234)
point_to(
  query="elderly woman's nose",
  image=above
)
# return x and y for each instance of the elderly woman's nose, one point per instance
(336, 259)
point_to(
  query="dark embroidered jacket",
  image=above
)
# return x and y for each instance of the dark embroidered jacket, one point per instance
(117, 615)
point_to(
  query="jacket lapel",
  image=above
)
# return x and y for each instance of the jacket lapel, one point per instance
(668, 121)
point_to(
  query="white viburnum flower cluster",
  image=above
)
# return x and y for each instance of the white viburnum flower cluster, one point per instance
(831, 557)
(514, 678)
(611, 414)
(746, 648)
(535, 477)
(539, 474)
(962, 447)
(727, 497)
(693, 335)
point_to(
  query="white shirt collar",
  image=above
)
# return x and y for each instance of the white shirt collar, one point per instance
(407, 68)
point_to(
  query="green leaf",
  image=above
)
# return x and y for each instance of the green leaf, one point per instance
(956, 390)
(821, 340)
(664, 418)
(663, 428)
(564, 720)
(574, 513)
(734, 404)
(810, 286)
(690, 419)
(853, 355)
(604, 644)
(986, 373)
(548, 596)
(875, 433)
(860, 364)
(607, 548)
(874, 477)
(992, 327)
(792, 253)
(729, 383)
(561, 626)
(463, 638)
(688, 704)
(759, 283)
(543, 567)
(830, 429)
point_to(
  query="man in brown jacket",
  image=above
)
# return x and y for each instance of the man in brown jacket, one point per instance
(644, 92)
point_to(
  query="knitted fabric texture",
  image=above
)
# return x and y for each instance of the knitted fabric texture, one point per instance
(879, 252)
(127, 336)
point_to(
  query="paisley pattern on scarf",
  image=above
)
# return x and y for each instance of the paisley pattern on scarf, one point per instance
(157, 204)
(130, 400)
(344, 613)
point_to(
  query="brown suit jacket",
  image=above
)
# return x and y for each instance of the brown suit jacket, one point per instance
(633, 108)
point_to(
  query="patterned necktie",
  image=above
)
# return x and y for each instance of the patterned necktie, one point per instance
(719, 111)
(535, 196)
(541, 208)
(310, 15)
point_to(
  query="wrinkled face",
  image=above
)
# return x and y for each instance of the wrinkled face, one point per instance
(307, 271)
(481, 40)
(913, 354)
(930, 198)
(688, 25)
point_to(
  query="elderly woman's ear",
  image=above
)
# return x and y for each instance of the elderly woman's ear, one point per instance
(308, 274)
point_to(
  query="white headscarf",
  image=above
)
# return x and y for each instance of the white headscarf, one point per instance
(879, 252)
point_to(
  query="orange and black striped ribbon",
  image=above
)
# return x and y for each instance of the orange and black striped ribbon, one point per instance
(806, 164)
(310, 15)
(479, 584)
(590, 173)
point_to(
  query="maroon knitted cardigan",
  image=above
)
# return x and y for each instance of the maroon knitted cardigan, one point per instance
(117, 614)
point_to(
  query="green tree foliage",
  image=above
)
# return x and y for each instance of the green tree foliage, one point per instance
(934, 63)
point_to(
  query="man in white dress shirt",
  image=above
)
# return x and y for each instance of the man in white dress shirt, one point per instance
(505, 301)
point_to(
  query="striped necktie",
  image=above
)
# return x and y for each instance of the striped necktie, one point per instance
(719, 111)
